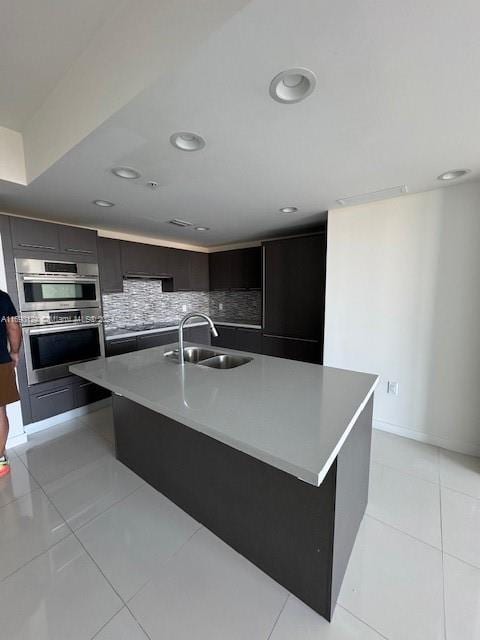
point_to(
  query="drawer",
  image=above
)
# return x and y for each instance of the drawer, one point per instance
(87, 392)
(117, 347)
(52, 402)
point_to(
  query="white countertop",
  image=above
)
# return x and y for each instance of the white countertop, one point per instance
(292, 415)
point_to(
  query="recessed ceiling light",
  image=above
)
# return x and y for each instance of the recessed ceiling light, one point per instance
(186, 141)
(202, 228)
(103, 203)
(453, 174)
(288, 209)
(292, 85)
(126, 172)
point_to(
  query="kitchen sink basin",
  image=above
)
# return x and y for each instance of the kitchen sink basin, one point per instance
(225, 361)
(192, 354)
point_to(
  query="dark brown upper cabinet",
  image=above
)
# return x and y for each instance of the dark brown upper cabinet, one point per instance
(199, 279)
(145, 260)
(33, 235)
(179, 268)
(237, 269)
(110, 265)
(76, 241)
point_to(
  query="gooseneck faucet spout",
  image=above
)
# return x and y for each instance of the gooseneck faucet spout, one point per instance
(194, 314)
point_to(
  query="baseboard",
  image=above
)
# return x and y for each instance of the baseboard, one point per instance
(41, 425)
(460, 446)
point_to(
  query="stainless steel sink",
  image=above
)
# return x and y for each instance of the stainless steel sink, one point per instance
(225, 361)
(192, 354)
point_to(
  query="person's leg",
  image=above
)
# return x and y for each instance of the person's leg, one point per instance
(3, 430)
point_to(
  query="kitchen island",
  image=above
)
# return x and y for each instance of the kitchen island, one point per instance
(272, 456)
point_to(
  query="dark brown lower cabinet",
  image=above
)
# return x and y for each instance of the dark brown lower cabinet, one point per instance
(196, 334)
(58, 396)
(248, 340)
(122, 345)
(87, 392)
(292, 348)
(51, 402)
(239, 338)
(226, 337)
(156, 339)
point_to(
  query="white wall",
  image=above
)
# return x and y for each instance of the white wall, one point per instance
(403, 300)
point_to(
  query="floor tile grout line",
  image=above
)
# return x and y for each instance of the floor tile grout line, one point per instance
(443, 567)
(84, 524)
(354, 615)
(115, 504)
(410, 474)
(164, 563)
(391, 526)
(460, 493)
(469, 564)
(35, 557)
(278, 616)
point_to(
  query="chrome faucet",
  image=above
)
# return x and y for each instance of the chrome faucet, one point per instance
(194, 314)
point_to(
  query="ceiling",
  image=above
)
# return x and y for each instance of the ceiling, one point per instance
(396, 102)
(39, 41)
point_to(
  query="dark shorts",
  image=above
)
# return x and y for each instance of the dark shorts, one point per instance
(8, 384)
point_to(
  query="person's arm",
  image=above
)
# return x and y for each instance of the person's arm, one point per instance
(14, 335)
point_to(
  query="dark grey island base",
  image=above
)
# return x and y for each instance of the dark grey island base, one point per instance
(299, 534)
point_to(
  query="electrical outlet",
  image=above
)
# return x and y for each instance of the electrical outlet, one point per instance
(220, 306)
(184, 308)
(392, 388)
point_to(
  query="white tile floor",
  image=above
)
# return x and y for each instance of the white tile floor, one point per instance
(88, 550)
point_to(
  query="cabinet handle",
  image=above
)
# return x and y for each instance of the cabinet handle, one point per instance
(36, 246)
(51, 393)
(85, 384)
(78, 250)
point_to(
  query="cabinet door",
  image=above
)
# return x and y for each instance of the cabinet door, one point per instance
(179, 268)
(110, 265)
(201, 334)
(199, 280)
(50, 403)
(245, 268)
(226, 337)
(77, 241)
(34, 235)
(248, 340)
(122, 345)
(87, 392)
(220, 270)
(294, 293)
(292, 349)
(157, 339)
(144, 259)
(252, 268)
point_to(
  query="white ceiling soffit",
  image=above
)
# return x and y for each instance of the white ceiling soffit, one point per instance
(67, 67)
(395, 103)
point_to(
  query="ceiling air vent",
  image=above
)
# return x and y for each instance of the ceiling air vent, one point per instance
(363, 198)
(180, 223)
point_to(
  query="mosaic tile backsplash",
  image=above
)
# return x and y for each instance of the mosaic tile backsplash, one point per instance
(143, 302)
(238, 306)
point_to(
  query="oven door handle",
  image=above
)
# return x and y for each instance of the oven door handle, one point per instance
(54, 279)
(63, 328)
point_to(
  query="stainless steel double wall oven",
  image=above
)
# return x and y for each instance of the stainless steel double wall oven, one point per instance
(61, 313)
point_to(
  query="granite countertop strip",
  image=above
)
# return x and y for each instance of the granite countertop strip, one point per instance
(292, 415)
(131, 332)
